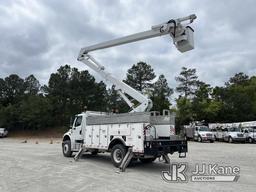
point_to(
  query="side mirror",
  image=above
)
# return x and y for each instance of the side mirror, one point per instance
(71, 122)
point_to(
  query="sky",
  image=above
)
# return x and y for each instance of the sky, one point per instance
(37, 37)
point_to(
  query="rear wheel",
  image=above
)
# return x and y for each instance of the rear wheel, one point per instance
(118, 153)
(250, 140)
(66, 148)
(147, 160)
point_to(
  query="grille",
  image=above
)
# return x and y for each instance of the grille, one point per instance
(239, 135)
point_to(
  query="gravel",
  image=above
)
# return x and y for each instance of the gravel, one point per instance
(42, 167)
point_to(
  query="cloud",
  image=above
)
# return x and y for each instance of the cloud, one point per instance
(39, 36)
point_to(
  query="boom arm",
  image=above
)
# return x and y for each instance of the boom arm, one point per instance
(182, 38)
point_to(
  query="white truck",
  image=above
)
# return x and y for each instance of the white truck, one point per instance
(198, 132)
(138, 134)
(3, 132)
(250, 134)
(233, 134)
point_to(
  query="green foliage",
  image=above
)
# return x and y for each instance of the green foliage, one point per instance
(234, 102)
(161, 94)
(25, 104)
(139, 76)
(115, 102)
(187, 82)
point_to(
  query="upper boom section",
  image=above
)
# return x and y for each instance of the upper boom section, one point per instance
(182, 36)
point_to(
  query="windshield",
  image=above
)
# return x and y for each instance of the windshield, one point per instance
(203, 128)
(234, 129)
(251, 129)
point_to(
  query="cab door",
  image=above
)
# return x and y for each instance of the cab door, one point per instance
(77, 128)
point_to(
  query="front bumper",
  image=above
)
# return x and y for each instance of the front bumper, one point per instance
(163, 146)
(207, 138)
(239, 139)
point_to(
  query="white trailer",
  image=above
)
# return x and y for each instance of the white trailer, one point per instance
(140, 133)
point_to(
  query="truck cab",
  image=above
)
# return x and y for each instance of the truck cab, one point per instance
(250, 134)
(233, 134)
(203, 133)
(198, 131)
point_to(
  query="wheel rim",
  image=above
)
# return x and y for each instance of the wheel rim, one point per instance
(250, 140)
(65, 148)
(199, 139)
(230, 140)
(118, 156)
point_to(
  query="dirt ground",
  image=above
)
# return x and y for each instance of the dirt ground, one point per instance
(42, 167)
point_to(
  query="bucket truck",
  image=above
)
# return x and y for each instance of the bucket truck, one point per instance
(139, 134)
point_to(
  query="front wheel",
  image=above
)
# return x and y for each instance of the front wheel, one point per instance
(250, 140)
(199, 139)
(66, 148)
(230, 140)
(118, 153)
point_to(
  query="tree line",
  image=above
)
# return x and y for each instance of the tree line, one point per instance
(25, 104)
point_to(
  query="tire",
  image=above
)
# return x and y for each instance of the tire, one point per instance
(118, 153)
(212, 141)
(250, 140)
(230, 140)
(215, 138)
(199, 139)
(148, 160)
(66, 148)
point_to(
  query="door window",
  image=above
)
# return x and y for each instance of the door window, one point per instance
(78, 121)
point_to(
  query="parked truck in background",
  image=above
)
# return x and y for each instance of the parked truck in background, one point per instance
(198, 132)
(233, 134)
(218, 133)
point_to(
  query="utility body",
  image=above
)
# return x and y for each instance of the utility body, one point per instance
(140, 133)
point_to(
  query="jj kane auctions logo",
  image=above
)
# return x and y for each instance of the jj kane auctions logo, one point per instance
(178, 172)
